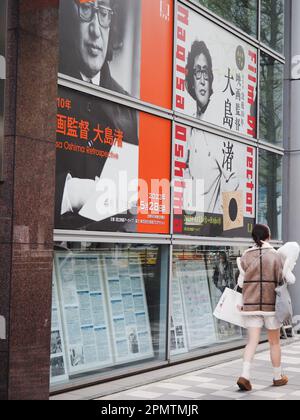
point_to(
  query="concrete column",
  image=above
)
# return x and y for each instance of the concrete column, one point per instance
(27, 198)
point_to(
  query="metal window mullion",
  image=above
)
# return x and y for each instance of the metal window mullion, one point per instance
(170, 282)
(269, 51)
(258, 95)
(110, 237)
(257, 186)
(259, 20)
(263, 145)
(213, 129)
(115, 97)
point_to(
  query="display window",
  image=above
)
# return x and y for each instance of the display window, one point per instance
(214, 184)
(124, 46)
(216, 74)
(270, 192)
(108, 309)
(242, 13)
(200, 275)
(108, 177)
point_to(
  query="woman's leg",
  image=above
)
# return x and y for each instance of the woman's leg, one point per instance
(249, 353)
(275, 349)
(253, 340)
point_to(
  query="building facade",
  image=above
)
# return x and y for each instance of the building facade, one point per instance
(141, 142)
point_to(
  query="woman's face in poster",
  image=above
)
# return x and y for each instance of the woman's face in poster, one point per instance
(201, 80)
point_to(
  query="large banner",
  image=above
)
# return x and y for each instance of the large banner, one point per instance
(108, 177)
(2, 78)
(216, 74)
(214, 184)
(121, 45)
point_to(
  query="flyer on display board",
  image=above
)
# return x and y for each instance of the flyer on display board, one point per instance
(197, 305)
(216, 74)
(178, 328)
(84, 312)
(128, 309)
(214, 184)
(58, 365)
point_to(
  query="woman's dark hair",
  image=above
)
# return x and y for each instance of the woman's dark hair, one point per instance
(198, 47)
(261, 233)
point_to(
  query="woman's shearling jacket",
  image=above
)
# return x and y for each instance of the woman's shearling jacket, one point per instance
(261, 270)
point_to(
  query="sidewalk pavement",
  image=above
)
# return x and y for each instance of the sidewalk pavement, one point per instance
(219, 382)
(204, 379)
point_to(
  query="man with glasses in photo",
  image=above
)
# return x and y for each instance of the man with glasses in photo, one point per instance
(86, 36)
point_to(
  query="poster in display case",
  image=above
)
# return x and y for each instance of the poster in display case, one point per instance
(58, 366)
(103, 316)
(84, 312)
(128, 308)
(196, 303)
(178, 329)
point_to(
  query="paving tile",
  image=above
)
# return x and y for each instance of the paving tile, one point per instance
(269, 394)
(144, 394)
(169, 385)
(216, 387)
(229, 394)
(195, 378)
(188, 394)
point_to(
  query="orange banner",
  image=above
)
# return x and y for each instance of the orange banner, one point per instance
(154, 169)
(157, 51)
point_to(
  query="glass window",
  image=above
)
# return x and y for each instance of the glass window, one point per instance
(242, 13)
(200, 275)
(271, 100)
(109, 308)
(270, 192)
(272, 24)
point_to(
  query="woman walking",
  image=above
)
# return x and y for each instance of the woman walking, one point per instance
(261, 268)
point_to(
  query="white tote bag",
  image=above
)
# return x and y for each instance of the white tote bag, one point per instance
(227, 308)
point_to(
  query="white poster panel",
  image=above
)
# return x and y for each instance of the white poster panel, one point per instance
(178, 328)
(196, 302)
(216, 74)
(84, 313)
(214, 184)
(128, 309)
(58, 365)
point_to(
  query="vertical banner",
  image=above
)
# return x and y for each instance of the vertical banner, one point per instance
(216, 74)
(108, 175)
(3, 23)
(214, 184)
(125, 46)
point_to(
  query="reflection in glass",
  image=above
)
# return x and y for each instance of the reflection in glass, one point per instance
(242, 13)
(272, 24)
(270, 192)
(200, 275)
(271, 100)
(110, 308)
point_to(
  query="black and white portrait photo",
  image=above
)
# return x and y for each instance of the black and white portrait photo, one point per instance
(100, 43)
(199, 76)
